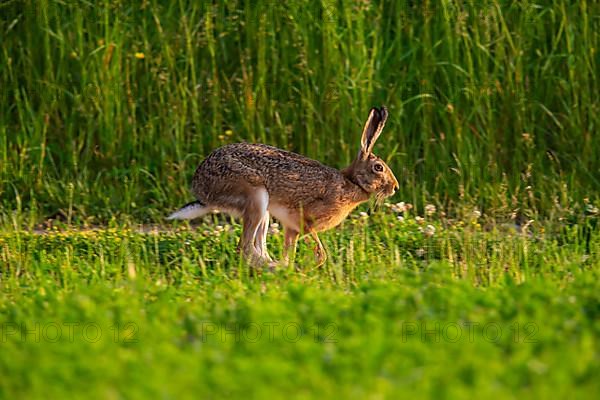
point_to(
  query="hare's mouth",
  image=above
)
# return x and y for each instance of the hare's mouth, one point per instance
(381, 196)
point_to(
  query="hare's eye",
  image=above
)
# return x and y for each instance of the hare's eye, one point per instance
(378, 168)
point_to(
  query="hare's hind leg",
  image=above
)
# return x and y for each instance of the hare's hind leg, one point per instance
(255, 211)
(260, 240)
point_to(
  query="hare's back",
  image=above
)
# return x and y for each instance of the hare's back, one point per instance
(264, 160)
(262, 165)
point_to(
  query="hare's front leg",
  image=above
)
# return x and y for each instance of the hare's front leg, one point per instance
(289, 243)
(320, 253)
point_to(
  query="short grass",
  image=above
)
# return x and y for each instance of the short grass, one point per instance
(424, 308)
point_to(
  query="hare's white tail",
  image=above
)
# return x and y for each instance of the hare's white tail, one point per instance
(192, 210)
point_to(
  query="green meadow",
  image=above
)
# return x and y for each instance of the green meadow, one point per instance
(479, 277)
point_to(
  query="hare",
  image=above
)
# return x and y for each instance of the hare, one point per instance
(256, 180)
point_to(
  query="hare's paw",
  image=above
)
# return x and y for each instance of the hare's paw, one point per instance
(320, 256)
(263, 261)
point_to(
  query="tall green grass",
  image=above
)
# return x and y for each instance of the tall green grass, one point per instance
(491, 102)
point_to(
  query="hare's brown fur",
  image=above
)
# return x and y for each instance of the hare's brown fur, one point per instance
(323, 195)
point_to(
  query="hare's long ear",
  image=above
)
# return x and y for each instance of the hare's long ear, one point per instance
(372, 130)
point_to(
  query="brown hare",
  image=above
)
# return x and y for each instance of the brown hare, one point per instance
(255, 180)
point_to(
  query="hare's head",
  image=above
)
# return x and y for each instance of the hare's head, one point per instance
(368, 171)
